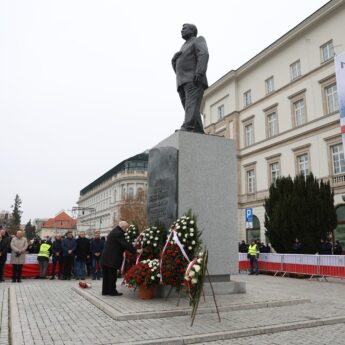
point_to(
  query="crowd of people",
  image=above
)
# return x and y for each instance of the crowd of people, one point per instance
(71, 257)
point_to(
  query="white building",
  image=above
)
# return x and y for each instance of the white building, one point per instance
(99, 202)
(281, 108)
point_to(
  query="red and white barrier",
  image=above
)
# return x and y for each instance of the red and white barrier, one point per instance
(31, 268)
(313, 265)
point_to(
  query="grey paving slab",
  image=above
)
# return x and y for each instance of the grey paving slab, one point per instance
(52, 313)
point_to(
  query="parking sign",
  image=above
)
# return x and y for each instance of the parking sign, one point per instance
(249, 218)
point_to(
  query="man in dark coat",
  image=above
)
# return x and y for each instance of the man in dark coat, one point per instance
(4, 245)
(97, 246)
(338, 249)
(69, 246)
(112, 256)
(82, 254)
(190, 65)
(57, 255)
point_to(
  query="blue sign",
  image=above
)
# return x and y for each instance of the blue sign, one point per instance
(249, 218)
(249, 215)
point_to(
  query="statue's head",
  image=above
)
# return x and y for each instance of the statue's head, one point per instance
(189, 30)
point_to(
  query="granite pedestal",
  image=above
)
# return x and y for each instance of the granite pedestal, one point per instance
(205, 175)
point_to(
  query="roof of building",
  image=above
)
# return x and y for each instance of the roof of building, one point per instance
(142, 157)
(61, 221)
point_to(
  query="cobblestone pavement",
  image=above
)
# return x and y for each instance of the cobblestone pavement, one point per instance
(51, 312)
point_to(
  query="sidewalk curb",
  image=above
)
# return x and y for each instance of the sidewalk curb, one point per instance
(16, 335)
(194, 339)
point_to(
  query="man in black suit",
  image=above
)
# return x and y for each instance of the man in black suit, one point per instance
(190, 65)
(112, 256)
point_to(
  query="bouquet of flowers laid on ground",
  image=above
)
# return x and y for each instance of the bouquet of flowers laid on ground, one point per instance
(145, 273)
(130, 258)
(183, 241)
(151, 242)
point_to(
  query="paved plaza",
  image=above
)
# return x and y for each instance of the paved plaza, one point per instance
(273, 311)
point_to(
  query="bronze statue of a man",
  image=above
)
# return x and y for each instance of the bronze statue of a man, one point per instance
(190, 65)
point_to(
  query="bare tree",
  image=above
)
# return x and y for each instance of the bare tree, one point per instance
(134, 210)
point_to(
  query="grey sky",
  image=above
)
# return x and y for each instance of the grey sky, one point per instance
(86, 84)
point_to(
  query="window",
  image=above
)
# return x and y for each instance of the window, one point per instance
(249, 134)
(331, 99)
(338, 162)
(275, 172)
(327, 51)
(130, 193)
(251, 181)
(295, 70)
(247, 98)
(272, 124)
(269, 84)
(299, 112)
(303, 164)
(220, 112)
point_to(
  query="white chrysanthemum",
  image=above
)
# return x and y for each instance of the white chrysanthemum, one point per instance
(148, 242)
(156, 238)
(191, 229)
(187, 278)
(194, 281)
(155, 244)
(184, 240)
(193, 243)
(190, 248)
(158, 275)
(153, 277)
(179, 234)
(197, 268)
(199, 261)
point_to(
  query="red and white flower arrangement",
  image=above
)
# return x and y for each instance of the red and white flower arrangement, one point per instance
(145, 273)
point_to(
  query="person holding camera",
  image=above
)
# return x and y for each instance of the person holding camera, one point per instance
(19, 244)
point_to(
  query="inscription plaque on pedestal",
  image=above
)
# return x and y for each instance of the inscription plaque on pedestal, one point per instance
(162, 191)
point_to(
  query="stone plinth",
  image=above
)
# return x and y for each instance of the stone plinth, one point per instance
(207, 184)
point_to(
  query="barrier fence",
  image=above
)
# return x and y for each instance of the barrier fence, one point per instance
(30, 268)
(304, 264)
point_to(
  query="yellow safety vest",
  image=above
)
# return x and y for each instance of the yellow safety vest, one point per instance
(44, 250)
(252, 250)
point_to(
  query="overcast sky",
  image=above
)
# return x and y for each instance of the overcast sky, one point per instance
(87, 84)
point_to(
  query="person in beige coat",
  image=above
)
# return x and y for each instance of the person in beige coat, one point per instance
(19, 244)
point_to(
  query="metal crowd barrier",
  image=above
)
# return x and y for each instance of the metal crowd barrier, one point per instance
(319, 266)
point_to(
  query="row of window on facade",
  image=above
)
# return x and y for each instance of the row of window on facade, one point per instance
(299, 114)
(326, 52)
(302, 167)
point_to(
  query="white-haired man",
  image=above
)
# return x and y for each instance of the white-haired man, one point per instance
(112, 257)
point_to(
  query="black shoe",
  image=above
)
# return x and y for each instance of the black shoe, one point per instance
(117, 294)
(52, 278)
(19, 280)
(13, 280)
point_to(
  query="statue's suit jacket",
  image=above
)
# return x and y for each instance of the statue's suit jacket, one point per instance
(192, 61)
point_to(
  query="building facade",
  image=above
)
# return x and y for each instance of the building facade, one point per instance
(281, 108)
(100, 202)
(60, 224)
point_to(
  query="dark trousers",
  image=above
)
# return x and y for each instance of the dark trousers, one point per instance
(57, 259)
(2, 267)
(191, 97)
(43, 262)
(254, 262)
(17, 272)
(109, 280)
(67, 266)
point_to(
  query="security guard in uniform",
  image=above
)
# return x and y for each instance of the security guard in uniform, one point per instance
(253, 255)
(43, 258)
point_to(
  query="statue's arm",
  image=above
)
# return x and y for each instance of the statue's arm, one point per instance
(201, 52)
(174, 59)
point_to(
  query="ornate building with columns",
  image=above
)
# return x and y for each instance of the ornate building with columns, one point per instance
(281, 108)
(99, 202)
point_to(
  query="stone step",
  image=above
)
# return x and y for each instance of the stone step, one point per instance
(175, 310)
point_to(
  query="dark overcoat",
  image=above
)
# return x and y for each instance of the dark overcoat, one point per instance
(114, 248)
